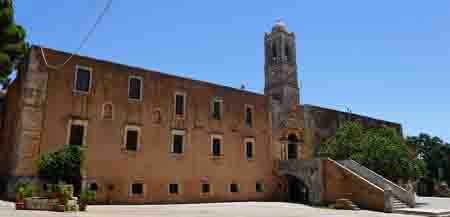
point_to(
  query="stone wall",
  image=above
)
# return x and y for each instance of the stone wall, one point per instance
(309, 172)
(340, 182)
(152, 165)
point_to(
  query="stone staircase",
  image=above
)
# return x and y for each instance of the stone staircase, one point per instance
(400, 197)
(398, 204)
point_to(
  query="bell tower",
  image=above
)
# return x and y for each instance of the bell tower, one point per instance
(281, 83)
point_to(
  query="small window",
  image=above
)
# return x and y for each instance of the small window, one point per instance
(259, 187)
(173, 188)
(205, 188)
(177, 142)
(249, 150)
(137, 189)
(76, 135)
(249, 116)
(179, 104)
(107, 111)
(217, 109)
(234, 188)
(93, 187)
(132, 139)
(135, 88)
(216, 146)
(82, 79)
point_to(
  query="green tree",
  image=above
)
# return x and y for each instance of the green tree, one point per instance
(64, 165)
(12, 41)
(436, 155)
(382, 150)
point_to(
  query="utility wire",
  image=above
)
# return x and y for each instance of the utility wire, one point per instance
(83, 42)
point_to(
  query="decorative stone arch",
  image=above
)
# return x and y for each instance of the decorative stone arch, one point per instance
(307, 171)
(291, 143)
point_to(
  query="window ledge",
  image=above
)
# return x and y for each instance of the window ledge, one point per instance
(131, 100)
(130, 152)
(80, 92)
(216, 157)
(209, 194)
(176, 156)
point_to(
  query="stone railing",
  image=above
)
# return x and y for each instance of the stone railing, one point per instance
(397, 191)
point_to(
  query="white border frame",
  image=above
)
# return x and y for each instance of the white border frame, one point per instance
(132, 128)
(252, 140)
(141, 91)
(77, 122)
(74, 89)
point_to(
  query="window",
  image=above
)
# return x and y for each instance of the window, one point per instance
(93, 186)
(173, 188)
(259, 187)
(179, 104)
(205, 188)
(76, 135)
(132, 138)
(177, 141)
(249, 152)
(249, 116)
(107, 111)
(82, 79)
(76, 132)
(137, 189)
(292, 151)
(135, 88)
(234, 188)
(217, 109)
(216, 145)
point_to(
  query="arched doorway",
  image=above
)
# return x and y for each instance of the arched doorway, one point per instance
(292, 146)
(298, 192)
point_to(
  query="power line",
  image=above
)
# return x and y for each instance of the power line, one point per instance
(83, 42)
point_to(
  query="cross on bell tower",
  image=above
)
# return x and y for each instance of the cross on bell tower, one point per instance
(281, 83)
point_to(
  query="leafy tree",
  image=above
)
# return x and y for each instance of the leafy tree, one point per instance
(382, 150)
(64, 165)
(12, 41)
(436, 155)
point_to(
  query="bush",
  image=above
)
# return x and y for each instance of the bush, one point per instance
(62, 165)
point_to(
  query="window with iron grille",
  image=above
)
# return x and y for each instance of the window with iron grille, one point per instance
(137, 188)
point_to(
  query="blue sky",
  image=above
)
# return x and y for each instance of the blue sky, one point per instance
(386, 59)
